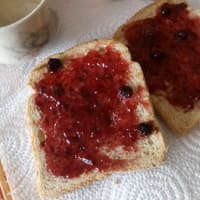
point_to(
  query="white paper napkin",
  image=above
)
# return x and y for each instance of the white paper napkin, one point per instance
(79, 21)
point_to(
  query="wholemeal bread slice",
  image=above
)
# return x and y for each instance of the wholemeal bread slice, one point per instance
(180, 120)
(151, 149)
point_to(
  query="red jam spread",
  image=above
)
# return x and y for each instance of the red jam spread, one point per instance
(84, 107)
(168, 49)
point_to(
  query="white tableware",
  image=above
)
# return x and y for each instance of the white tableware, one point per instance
(24, 26)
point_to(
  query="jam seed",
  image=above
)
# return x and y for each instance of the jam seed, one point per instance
(54, 64)
(145, 128)
(125, 92)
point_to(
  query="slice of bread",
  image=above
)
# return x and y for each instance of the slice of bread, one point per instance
(151, 149)
(178, 119)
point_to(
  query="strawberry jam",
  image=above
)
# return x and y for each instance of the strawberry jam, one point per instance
(84, 107)
(168, 48)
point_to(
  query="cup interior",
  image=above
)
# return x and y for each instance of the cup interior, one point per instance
(12, 11)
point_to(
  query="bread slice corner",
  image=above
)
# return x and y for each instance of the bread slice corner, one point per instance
(180, 122)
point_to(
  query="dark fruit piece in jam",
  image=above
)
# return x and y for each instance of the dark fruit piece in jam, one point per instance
(54, 64)
(157, 55)
(181, 35)
(171, 10)
(165, 11)
(81, 114)
(125, 92)
(174, 40)
(145, 128)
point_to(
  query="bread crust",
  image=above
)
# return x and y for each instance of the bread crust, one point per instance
(179, 121)
(153, 148)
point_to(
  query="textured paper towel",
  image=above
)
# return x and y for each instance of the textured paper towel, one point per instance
(82, 20)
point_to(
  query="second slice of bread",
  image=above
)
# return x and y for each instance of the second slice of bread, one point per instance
(179, 121)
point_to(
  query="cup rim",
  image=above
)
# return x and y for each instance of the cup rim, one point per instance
(25, 17)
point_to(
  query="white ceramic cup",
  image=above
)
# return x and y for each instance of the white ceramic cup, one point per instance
(27, 33)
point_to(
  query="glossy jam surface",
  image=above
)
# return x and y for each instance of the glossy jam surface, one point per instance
(168, 49)
(83, 108)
